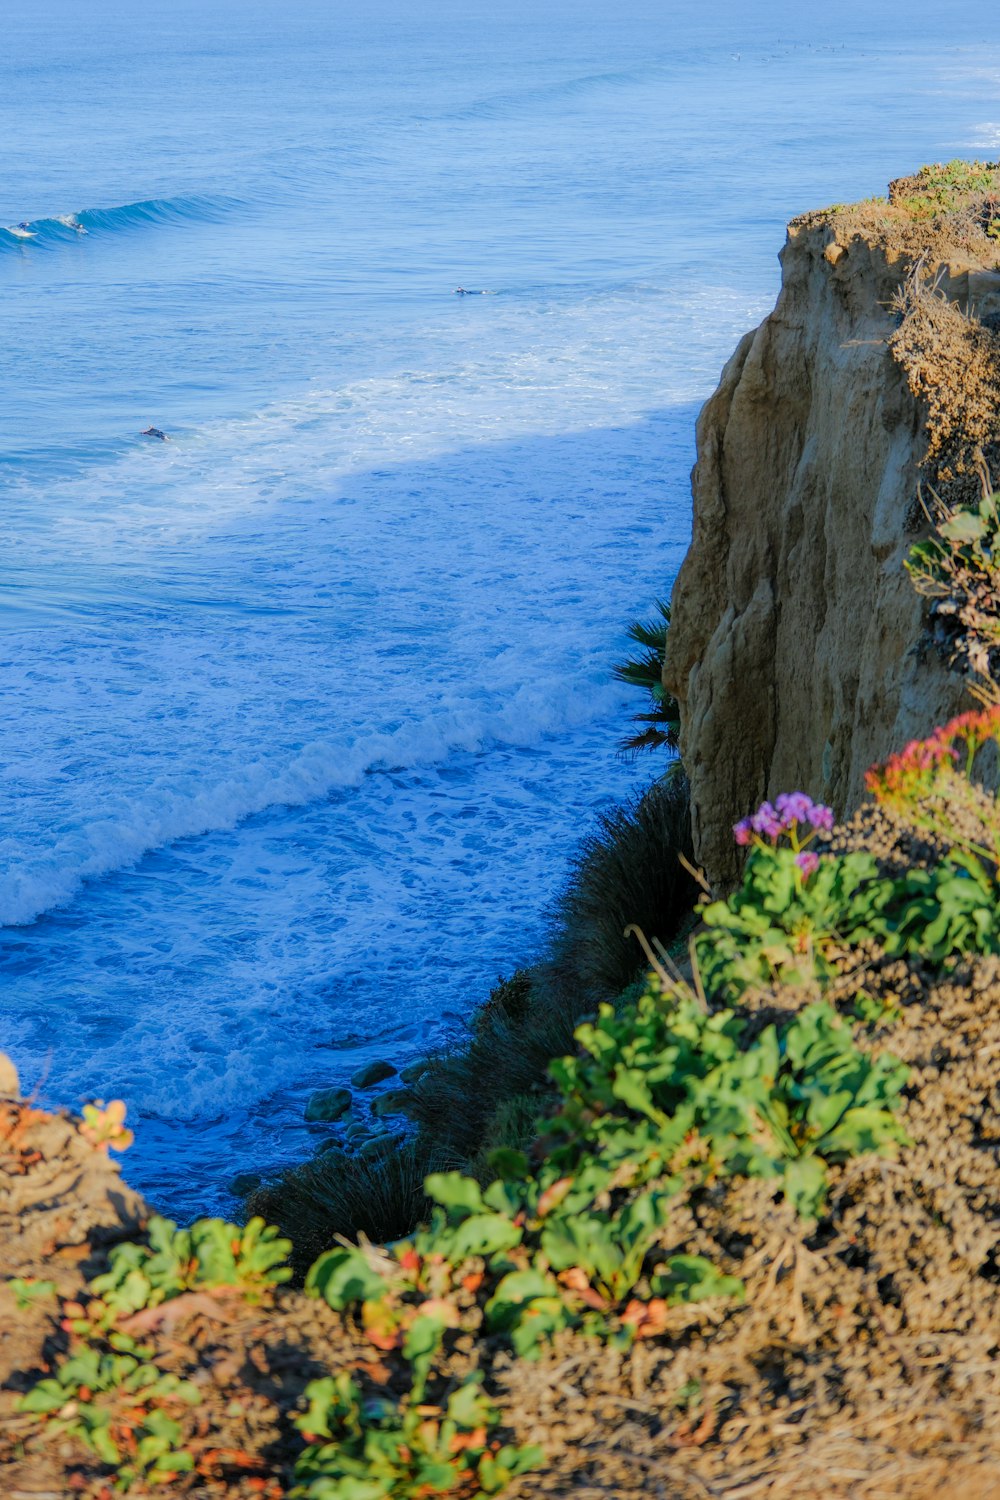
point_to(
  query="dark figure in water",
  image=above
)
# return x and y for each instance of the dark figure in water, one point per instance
(463, 291)
(154, 432)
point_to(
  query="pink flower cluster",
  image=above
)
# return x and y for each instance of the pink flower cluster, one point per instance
(913, 773)
(784, 815)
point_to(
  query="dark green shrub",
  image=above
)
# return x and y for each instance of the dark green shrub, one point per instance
(380, 1196)
(627, 871)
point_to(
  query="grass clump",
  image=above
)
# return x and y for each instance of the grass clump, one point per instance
(380, 1197)
(634, 869)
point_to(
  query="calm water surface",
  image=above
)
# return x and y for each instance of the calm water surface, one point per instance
(304, 710)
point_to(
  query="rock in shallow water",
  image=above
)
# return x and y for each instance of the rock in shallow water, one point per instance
(372, 1073)
(393, 1102)
(380, 1145)
(328, 1104)
(245, 1183)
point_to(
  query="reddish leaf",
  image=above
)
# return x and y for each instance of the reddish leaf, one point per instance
(553, 1196)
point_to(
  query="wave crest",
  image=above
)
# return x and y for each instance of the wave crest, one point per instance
(63, 229)
(106, 845)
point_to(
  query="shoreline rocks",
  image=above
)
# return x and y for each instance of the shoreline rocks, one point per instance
(372, 1073)
(328, 1105)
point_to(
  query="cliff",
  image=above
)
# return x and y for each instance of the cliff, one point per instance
(795, 648)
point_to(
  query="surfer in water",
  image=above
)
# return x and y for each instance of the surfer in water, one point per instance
(462, 291)
(154, 432)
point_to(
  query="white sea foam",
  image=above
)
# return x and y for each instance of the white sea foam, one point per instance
(104, 844)
(985, 137)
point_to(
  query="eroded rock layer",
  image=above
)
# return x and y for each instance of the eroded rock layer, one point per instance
(795, 646)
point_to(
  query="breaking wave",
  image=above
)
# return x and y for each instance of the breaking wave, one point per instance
(63, 229)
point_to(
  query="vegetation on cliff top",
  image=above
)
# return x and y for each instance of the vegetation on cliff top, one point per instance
(942, 208)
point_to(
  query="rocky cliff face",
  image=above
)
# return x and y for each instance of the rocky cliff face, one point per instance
(794, 647)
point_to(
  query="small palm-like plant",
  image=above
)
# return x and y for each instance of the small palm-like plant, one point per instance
(645, 670)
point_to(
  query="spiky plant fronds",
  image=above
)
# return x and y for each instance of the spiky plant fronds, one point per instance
(645, 670)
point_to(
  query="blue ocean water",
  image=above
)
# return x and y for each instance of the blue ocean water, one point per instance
(305, 709)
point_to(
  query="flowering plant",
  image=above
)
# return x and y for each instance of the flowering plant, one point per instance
(930, 785)
(794, 816)
(105, 1125)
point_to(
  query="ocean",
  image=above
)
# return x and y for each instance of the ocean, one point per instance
(305, 709)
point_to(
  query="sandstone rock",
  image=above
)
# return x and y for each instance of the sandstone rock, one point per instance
(328, 1104)
(794, 639)
(372, 1073)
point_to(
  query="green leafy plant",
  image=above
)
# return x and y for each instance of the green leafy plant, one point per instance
(678, 1091)
(529, 1307)
(104, 1125)
(344, 1277)
(958, 569)
(381, 1449)
(781, 927)
(466, 1223)
(645, 670)
(943, 187)
(29, 1289)
(120, 1407)
(210, 1254)
(820, 1099)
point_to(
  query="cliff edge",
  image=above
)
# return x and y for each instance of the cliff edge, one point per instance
(797, 646)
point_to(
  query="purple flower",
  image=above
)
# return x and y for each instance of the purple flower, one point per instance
(807, 861)
(794, 807)
(821, 817)
(788, 812)
(766, 821)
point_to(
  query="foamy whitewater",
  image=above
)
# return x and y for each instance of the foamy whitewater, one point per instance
(305, 709)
